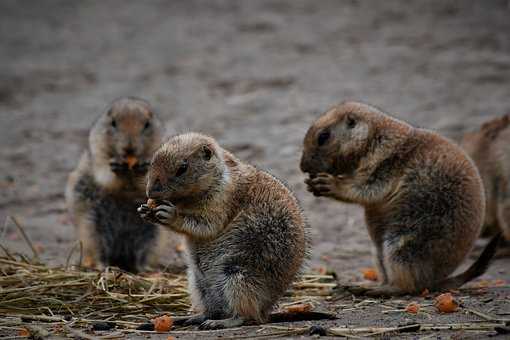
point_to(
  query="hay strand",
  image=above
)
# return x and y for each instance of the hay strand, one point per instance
(70, 299)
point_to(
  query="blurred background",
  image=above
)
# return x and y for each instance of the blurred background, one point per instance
(253, 74)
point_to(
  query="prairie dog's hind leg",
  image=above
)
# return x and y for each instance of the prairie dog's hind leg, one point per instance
(379, 264)
(246, 298)
(413, 265)
(88, 243)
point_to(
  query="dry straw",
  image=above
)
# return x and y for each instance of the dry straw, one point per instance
(41, 301)
(68, 299)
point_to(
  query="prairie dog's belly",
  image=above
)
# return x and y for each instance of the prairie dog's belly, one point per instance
(255, 241)
(205, 255)
(124, 238)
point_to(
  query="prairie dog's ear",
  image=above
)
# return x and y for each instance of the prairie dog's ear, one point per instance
(207, 152)
(149, 113)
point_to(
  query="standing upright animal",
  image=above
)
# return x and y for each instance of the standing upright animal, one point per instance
(108, 185)
(489, 147)
(244, 230)
(423, 197)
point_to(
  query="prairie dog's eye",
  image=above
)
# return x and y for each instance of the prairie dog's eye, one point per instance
(323, 137)
(114, 124)
(147, 126)
(182, 169)
(351, 122)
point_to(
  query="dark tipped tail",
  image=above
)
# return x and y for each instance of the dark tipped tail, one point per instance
(299, 316)
(476, 269)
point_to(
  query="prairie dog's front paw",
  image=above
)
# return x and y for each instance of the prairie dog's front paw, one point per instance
(118, 167)
(144, 210)
(165, 212)
(141, 168)
(323, 184)
(160, 212)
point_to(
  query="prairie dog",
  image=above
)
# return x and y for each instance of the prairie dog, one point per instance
(423, 197)
(244, 230)
(489, 147)
(108, 185)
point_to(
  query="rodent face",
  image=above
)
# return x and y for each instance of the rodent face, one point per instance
(335, 140)
(185, 168)
(126, 136)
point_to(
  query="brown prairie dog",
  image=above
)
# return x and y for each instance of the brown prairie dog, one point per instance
(244, 230)
(108, 185)
(489, 147)
(423, 197)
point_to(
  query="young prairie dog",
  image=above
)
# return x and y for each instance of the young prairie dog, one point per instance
(423, 197)
(489, 147)
(244, 230)
(108, 185)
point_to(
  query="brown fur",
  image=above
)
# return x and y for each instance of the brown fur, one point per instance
(102, 183)
(489, 147)
(423, 197)
(245, 233)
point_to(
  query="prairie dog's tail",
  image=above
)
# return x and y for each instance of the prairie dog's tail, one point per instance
(277, 317)
(476, 269)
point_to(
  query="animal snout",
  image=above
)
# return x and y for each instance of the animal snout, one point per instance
(129, 151)
(305, 164)
(311, 165)
(155, 190)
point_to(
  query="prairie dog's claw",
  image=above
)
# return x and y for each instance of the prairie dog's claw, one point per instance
(322, 184)
(165, 212)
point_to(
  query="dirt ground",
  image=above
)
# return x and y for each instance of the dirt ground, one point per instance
(254, 75)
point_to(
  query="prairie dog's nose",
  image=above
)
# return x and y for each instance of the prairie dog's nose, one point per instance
(129, 151)
(304, 164)
(155, 190)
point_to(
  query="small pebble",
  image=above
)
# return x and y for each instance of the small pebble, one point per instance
(102, 326)
(502, 330)
(317, 330)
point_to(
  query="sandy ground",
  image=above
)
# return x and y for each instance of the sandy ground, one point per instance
(252, 74)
